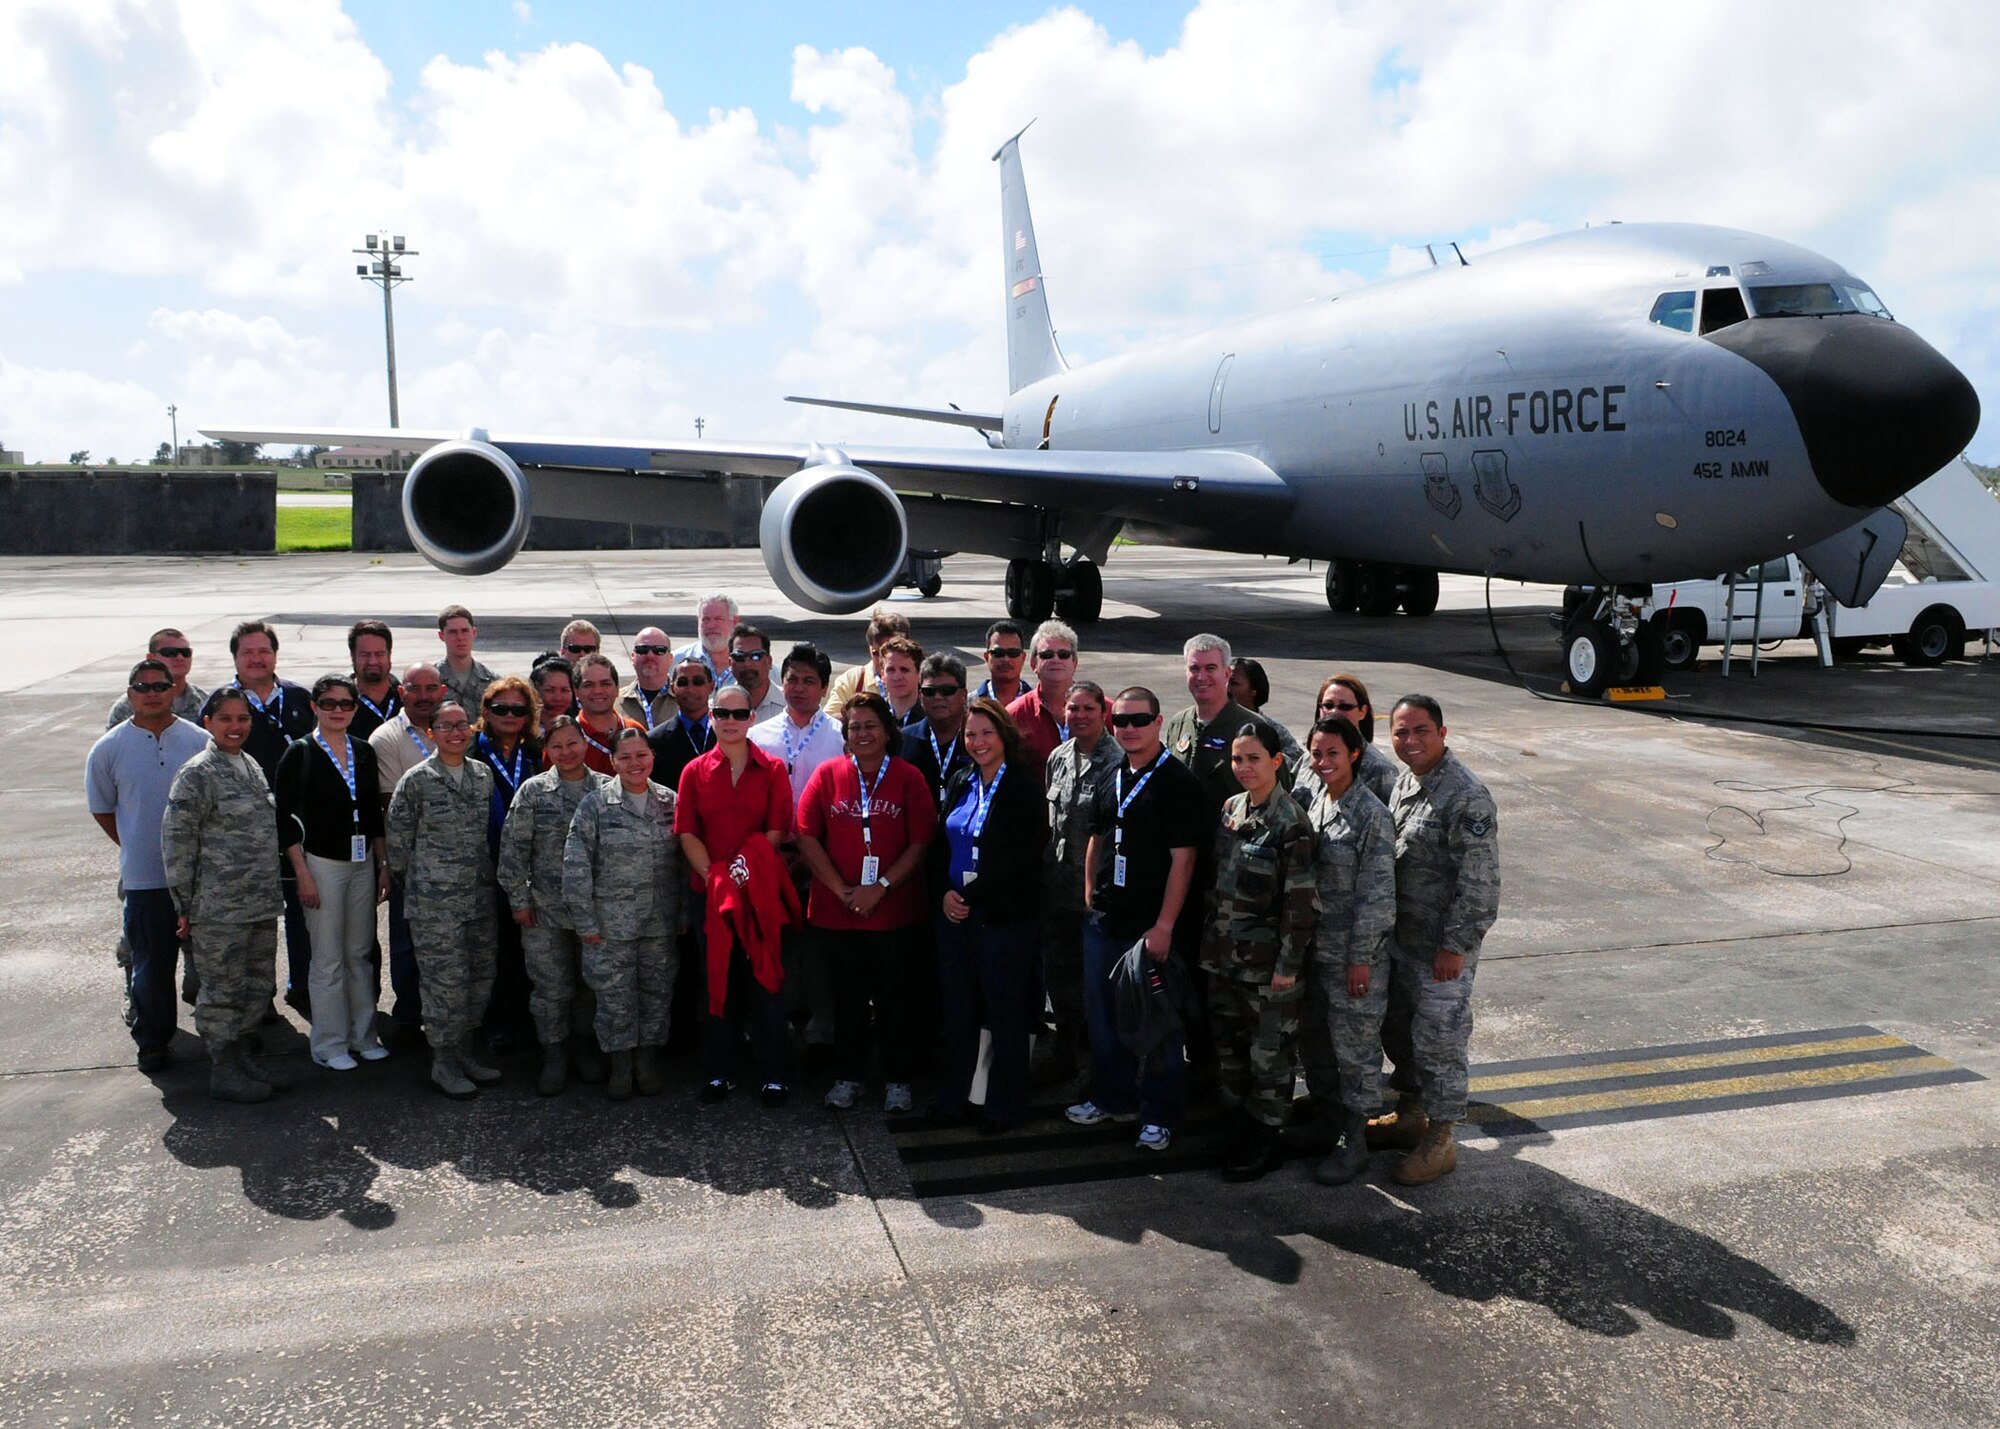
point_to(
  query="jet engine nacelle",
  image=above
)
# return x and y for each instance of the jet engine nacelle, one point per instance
(465, 504)
(834, 536)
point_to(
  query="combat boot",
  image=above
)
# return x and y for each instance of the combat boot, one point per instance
(1401, 1129)
(448, 1077)
(555, 1069)
(477, 1070)
(228, 1082)
(1350, 1158)
(1259, 1152)
(619, 1085)
(1436, 1154)
(649, 1074)
(589, 1058)
(261, 1068)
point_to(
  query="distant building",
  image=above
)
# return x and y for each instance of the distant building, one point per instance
(363, 459)
(9, 457)
(197, 455)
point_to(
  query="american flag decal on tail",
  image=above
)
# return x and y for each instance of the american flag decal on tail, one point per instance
(1026, 285)
(1020, 239)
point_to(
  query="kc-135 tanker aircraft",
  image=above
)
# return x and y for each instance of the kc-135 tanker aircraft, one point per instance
(1607, 409)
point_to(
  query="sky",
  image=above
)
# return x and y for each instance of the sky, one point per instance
(628, 217)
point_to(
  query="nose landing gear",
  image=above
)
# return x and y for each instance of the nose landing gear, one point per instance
(1606, 643)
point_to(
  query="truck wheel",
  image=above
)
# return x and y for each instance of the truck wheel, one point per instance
(1680, 638)
(1649, 654)
(1935, 636)
(1590, 658)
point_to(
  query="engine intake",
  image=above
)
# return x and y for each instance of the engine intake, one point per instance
(465, 504)
(833, 537)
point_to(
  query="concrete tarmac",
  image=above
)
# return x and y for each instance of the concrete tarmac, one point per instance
(361, 1251)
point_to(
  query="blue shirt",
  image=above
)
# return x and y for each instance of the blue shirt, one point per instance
(958, 833)
(128, 775)
(722, 674)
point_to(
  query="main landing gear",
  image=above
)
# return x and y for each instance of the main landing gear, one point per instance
(1072, 589)
(1373, 588)
(1605, 643)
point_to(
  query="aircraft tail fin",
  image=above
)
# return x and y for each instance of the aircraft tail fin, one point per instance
(1032, 353)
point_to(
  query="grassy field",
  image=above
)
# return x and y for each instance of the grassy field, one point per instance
(315, 528)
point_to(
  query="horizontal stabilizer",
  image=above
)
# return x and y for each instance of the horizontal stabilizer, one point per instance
(951, 416)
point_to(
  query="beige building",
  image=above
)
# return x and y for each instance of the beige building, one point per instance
(363, 459)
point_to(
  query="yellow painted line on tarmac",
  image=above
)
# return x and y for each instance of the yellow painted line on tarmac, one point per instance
(1692, 1062)
(1909, 745)
(1834, 1075)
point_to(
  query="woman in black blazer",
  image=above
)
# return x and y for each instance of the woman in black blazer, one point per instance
(987, 874)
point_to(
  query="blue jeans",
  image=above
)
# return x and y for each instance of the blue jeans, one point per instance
(984, 975)
(298, 940)
(149, 930)
(1116, 1084)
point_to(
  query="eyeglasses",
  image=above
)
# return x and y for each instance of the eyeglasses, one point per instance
(455, 727)
(334, 706)
(1055, 654)
(150, 687)
(689, 682)
(730, 714)
(1133, 721)
(511, 711)
(652, 649)
(996, 653)
(580, 649)
(939, 692)
(176, 652)
(1338, 705)
(749, 654)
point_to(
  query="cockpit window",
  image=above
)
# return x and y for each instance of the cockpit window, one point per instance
(1814, 300)
(1721, 308)
(1675, 310)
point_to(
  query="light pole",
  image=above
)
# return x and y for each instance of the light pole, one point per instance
(174, 453)
(385, 267)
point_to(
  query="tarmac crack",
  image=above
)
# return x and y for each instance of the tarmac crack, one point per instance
(1742, 938)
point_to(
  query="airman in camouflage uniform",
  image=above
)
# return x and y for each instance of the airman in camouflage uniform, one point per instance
(220, 842)
(1340, 1039)
(1074, 777)
(1447, 896)
(621, 882)
(531, 870)
(1262, 919)
(435, 832)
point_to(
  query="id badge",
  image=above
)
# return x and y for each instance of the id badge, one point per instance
(1118, 870)
(871, 871)
(971, 877)
(357, 848)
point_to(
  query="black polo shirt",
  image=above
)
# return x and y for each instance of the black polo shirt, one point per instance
(1169, 811)
(366, 718)
(286, 716)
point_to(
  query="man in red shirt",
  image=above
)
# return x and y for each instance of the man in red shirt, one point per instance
(1039, 713)
(596, 711)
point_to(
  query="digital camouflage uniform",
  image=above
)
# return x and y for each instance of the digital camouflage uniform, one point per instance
(436, 837)
(531, 870)
(467, 687)
(1340, 1040)
(220, 842)
(1261, 923)
(1073, 781)
(621, 880)
(1447, 896)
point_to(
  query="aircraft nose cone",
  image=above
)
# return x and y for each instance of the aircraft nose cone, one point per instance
(1880, 409)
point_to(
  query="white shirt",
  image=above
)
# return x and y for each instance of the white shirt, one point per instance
(800, 752)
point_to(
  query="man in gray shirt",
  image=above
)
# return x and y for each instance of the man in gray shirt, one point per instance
(126, 779)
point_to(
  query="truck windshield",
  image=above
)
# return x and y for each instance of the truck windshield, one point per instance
(1814, 300)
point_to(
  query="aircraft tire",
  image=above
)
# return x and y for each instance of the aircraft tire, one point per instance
(1680, 638)
(1420, 596)
(1031, 590)
(930, 586)
(1341, 579)
(1590, 658)
(1080, 597)
(1375, 590)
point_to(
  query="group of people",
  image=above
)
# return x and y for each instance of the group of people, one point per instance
(903, 870)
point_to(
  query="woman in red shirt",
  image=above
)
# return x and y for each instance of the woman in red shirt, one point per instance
(728, 796)
(863, 824)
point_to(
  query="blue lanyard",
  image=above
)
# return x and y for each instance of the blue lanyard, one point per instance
(943, 764)
(868, 796)
(427, 750)
(277, 704)
(982, 794)
(792, 752)
(512, 776)
(647, 701)
(1125, 799)
(346, 772)
(689, 730)
(380, 713)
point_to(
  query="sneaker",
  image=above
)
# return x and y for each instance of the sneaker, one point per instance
(338, 1062)
(1154, 1138)
(716, 1090)
(774, 1094)
(373, 1054)
(1090, 1114)
(896, 1099)
(843, 1095)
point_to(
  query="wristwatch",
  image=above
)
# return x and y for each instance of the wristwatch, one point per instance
(883, 884)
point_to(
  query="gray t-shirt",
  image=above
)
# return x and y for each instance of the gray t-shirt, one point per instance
(128, 775)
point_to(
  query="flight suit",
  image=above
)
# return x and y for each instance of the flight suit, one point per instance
(531, 871)
(621, 881)
(1340, 1038)
(436, 838)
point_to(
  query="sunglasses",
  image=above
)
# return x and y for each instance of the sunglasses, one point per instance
(1014, 654)
(652, 649)
(150, 687)
(689, 682)
(939, 692)
(1133, 721)
(729, 714)
(580, 649)
(512, 711)
(333, 706)
(1338, 705)
(749, 654)
(1055, 654)
(176, 652)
